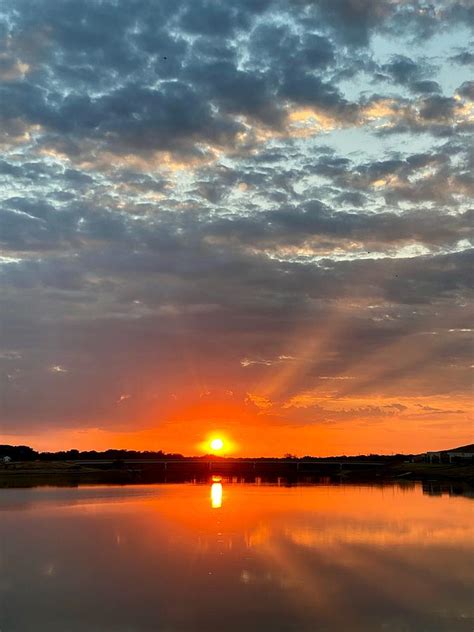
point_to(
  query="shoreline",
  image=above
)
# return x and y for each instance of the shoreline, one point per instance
(35, 474)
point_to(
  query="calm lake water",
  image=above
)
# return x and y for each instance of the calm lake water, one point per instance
(236, 557)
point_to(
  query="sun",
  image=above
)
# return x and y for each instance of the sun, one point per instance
(217, 444)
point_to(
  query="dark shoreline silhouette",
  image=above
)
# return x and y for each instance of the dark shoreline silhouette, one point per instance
(26, 453)
(23, 466)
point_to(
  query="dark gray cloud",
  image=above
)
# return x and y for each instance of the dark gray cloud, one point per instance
(403, 69)
(465, 58)
(410, 74)
(467, 90)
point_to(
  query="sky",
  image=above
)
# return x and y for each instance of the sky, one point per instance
(247, 219)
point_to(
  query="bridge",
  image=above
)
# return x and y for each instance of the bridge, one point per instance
(212, 464)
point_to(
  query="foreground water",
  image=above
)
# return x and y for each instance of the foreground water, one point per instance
(236, 557)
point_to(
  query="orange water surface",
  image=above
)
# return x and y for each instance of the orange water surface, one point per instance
(237, 557)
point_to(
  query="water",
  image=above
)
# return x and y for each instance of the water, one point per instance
(236, 557)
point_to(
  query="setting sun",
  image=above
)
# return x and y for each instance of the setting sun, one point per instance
(217, 444)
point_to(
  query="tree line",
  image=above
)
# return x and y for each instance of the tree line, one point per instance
(26, 453)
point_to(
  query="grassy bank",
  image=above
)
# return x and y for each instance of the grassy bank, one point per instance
(435, 471)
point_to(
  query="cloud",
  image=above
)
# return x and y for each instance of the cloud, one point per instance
(465, 58)
(467, 90)
(258, 198)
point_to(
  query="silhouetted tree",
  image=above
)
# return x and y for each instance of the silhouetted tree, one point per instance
(18, 452)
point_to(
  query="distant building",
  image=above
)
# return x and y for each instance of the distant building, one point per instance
(5, 459)
(448, 456)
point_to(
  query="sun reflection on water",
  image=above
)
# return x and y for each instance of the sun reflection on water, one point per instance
(216, 493)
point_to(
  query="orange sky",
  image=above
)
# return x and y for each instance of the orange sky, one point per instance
(250, 431)
(394, 398)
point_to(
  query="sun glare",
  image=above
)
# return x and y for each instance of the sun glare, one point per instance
(217, 444)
